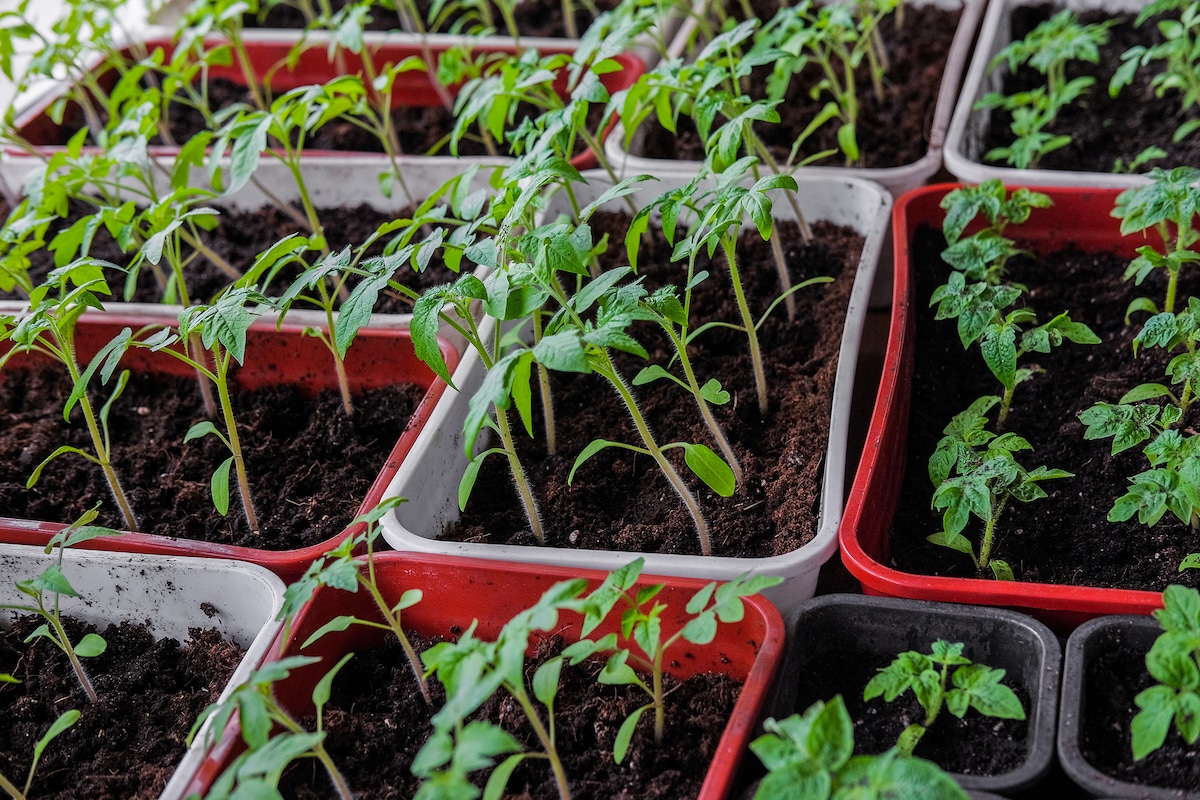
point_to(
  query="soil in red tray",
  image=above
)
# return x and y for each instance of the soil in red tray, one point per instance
(891, 133)
(538, 17)
(1104, 128)
(973, 745)
(1065, 538)
(376, 723)
(127, 745)
(309, 465)
(618, 499)
(285, 15)
(240, 236)
(1115, 676)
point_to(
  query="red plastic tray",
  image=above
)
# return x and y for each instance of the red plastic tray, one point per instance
(379, 357)
(1082, 216)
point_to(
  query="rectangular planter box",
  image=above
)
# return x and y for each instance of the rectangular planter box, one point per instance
(169, 594)
(457, 591)
(432, 476)
(964, 141)
(1079, 216)
(877, 629)
(897, 180)
(413, 88)
(379, 357)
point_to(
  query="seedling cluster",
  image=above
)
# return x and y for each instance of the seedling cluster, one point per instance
(471, 670)
(973, 470)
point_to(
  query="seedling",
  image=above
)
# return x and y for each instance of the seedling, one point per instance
(48, 589)
(810, 756)
(1174, 455)
(472, 671)
(48, 328)
(836, 40)
(1174, 662)
(641, 624)
(64, 721)
(928, 676)
(221, 330)
(1048, 48)
(976, 294)
(1179, 49)
(1168, 205)
(986, 476)
(339, 569)
(273, 737)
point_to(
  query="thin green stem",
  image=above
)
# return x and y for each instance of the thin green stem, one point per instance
(414, 662)
(524, 490)
(989, 532)
(544, 388)
(13, 791)
(76, 665)
(546, 739)
(608, 370)
(103, 457)
(729, 245)
(235, 446)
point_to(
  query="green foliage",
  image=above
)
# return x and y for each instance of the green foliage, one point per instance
(1048, 48)
(46, 590)
(928, 676)
(273, 738)
(641, 624)
(1168, 206)
(1174, 662)
(976, 294)
(810, 756)
(974, 473)
(1179, 50)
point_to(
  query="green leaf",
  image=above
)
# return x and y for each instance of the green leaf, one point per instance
(500, 776)
(710, 468)
(64, 721)
(90, 646)
(545, 681)
(220, 486)
(324, 688)
(625, 733)
(338, 623)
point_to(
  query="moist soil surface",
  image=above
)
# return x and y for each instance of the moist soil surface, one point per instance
(1104, 128)
(890, 133)
(309, 465)
(973, 745)
(533, 17)
(238, 239)
(1115, 676)
(1065, 538)
(127, 745)
(619, 500)
(377, 722)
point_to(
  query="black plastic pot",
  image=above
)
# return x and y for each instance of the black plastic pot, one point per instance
(876, 629)
(1085, 644)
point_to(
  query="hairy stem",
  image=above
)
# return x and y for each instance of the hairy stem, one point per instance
(609, 372)
(235, 445)
(524, 490)
(76, 665)
(547, 741)
(729, 245)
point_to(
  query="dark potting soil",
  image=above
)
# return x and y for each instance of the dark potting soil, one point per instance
(539, 17)
(1065, 538)
(890, 133)
(1115, 676)
(1104, 128)
(377, 722)
(127, 745)
(973, 745)
(619, 500)
(240, 236)
(309, 466)
(289, 16)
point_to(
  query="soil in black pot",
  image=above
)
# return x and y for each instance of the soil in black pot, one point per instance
(1104, 128)
(891, 133)
(543, 18)
(973, 745)
(309, 465)
(377, 722)
(128, 744)
(1115, 676)
(618, 499)
(1065, 538)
